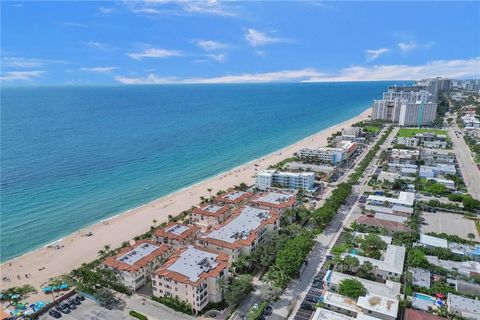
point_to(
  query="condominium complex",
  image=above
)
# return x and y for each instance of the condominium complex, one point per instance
(233, 197)
(401, 206)
(134, 264)
(434, 157)
(332, 155)
(406, 106)
(242, 232)
(177, 234)
(210, 215)
(192, 275)
(290, 180)
(279, 201)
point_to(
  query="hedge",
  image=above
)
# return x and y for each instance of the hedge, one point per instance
(137, 315)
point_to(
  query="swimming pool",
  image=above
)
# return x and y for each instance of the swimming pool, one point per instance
(425, 298)
(354, 251)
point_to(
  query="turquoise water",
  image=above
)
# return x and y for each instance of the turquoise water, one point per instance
(425, 298)
(71, 156)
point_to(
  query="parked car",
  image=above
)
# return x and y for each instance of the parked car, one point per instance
(72, 305)
(54, 313)
(311, 299)
(307, 306)
(76, 301)
(268, 310)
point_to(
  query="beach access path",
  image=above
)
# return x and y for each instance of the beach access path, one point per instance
(47, 262)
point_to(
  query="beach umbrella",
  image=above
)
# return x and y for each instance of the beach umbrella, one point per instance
(439, 295)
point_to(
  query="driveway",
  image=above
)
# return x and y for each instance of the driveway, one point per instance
(153, 309)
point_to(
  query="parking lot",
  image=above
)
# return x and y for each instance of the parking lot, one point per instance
(307, 308)
(89, 310)
(450, 223)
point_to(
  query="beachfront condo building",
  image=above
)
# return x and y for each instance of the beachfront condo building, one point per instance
(210, 215)
(274, 200)
(177, 234)
(388, 110)
(342, 152)
(193, 275)
(282, 179)
(233, 198)
(418, 113)
(242, 232)
(134, 264)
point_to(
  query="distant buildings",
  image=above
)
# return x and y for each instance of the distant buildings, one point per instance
(177, 234)
(210, 215)
(134, 264)
(470, 122)
(332, 155)
(281, 179)
(242, 232)
(192, 275)
(407, 106)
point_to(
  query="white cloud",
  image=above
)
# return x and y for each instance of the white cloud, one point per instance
(155, 53)
(257, 38)
(21, 75)
(97, 45)
(73, 24)
(106, 10)
(407, 46)
(468, 68)
(22, 62)
(210, 45)
(99, 69)
(181, 7)
(276, 76)
(217, 57)
(373, 54)
(459, 69)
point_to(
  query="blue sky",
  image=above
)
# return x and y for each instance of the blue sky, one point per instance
(164, 41)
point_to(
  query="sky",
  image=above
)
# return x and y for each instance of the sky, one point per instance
(182, 41)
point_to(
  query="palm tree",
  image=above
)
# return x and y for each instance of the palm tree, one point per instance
(101, 253)
(154, 223)
(209, 191)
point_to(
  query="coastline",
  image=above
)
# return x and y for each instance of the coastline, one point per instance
(121, 227)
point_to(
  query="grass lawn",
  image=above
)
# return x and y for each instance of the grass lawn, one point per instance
(407, 132)
(372, 129)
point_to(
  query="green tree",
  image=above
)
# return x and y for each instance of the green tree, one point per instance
(366, 271)
(416, 258)
(371, 244)
(238, 289)
(351, 288)
(105, 297)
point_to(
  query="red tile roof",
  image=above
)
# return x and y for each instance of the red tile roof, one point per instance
(411, 314)
(163, 232)
(221, 198)
(240, 242)
(113, 262)
(220, 212)
(287, 204)
(222, 260)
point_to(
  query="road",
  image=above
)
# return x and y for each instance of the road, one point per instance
(296, 291)
(470, 171)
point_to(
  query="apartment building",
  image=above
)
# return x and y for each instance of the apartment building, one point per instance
(403, 156)
(289, 180)
(434, 157)
(134, 264)
(332, 155)
(437, 171)
(210, 215)
(402, 206)
(391, 266)
(462, 306)
(242, 232)
(177, 234)
(279, 201)
(192, 275)
(470, 122)
(232, 198)
(417, 113)
(426, 140)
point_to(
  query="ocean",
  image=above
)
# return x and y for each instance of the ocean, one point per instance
(74, 155)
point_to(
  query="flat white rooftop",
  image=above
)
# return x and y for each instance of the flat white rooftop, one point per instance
(379, 304)
(138, 253)
(240, 227)
(340, 301)
(404, 198)
(431, 241)
(211, 208)
(193, 262)
(465, 305)
(177, 229)
(392, 262)
(234, 195)
(390, 217)
(388, 289)
(275, 197)
(324, 314)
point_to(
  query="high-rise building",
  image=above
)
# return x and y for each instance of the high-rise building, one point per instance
(417, 113)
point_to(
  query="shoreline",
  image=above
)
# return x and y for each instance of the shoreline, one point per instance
(77, 248)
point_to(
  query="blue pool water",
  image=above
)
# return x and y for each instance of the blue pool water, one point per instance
(71, 156)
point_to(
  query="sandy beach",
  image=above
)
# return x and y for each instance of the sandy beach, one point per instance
(47, 262)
